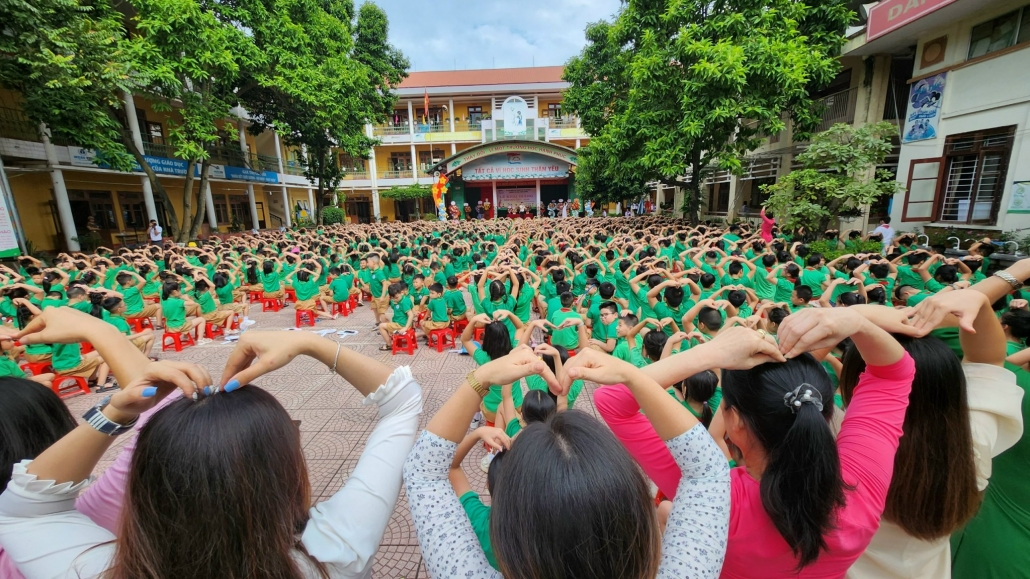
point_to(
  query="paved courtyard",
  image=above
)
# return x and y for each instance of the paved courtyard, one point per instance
(334, 426)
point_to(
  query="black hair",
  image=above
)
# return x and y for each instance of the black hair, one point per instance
(802, 486)
(673, 296)
(736, 298)
(850, 299)
(496, 340)
(566, 299)
(252, 277)
(168, 287)
(538, 405)
(803, 292)
(814, 259)
(610, 306)
(654, 343)
(606, 290)
(497, 291)
(111, 302)
(96, 301)
(711, 318)
(877, 295)
(879, 270)
(700, 388)
(946, 274)
(303, 275)
(768, 260)
(220, 279)
(777, 315)
(32, 418)
(435, 287)
(1018, 322)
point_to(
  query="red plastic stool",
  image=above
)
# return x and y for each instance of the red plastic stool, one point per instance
(63, 390)
(177, 341)
(274, 304)
(255, 297)
(459, 326)
(291, 296)
(353, 302)
(421, 316)
(153, 300)
(343, 307)
(85, 347)
(366, 296)
(37, 368)
(405, 342)
(299, 316)
(213, 330)
(478, 335)
(443, 337)
(235, 325)
(139, 323)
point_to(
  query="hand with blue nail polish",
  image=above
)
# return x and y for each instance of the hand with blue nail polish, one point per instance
(158, 380)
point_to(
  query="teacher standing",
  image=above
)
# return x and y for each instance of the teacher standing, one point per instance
(155, 233)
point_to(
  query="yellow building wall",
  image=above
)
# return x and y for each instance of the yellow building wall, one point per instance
(387, 209)
(383, 156)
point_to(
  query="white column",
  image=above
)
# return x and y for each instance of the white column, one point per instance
(64, 208)
(494, 183)
(450, 109)
(137, 139)
(577, 143)
(12, 207)
(375, 204)
(311, 205)
(411, 119)
(454, 149)
(282, 181)
(414, 162)
(253, 206)
(210, 201)
(538, 197)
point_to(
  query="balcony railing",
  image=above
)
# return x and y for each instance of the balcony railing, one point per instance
(395, 174)
(294, 168)
(355, 176)
(566, 122)
(390, 129)
(231, 156)
(838, 108)
(159, 150)
(442, 127)
(467, 126)
(266, 163)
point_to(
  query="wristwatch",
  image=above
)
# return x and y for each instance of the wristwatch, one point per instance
(95, 418)
(476, 384)
(1009, 279)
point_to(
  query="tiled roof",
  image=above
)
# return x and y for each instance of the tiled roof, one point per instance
(539, 74)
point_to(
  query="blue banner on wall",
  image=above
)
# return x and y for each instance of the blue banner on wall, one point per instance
(177, 167)
(244, 174)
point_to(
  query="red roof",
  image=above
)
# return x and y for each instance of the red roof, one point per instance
(539, 74)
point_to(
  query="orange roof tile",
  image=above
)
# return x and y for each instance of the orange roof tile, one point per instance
(488, 76)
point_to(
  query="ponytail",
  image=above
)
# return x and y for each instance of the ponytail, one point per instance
(787, 408)
(700, 388)
(96, 301)
(170, 286)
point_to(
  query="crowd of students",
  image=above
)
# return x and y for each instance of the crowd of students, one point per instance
(857, 416)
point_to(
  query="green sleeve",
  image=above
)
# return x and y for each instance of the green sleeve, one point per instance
(513, 427)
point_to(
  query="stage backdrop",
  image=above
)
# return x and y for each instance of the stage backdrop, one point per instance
(506, 197)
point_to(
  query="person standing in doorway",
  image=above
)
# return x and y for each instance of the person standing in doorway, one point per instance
(154, 231)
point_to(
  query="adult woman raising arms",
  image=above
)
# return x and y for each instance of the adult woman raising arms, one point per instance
(194, 504)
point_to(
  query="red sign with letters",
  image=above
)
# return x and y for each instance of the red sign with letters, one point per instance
(890, 15)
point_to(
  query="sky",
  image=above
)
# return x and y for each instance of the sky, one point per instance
(471, 34)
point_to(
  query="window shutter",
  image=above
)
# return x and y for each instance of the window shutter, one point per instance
(924, 182)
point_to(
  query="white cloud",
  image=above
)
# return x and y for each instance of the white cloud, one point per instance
(467, 34)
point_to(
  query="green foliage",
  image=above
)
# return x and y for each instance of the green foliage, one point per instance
(407, 192)
(88, 241)
(837, 177)
(675, 86)
(332, 215)
(831, 249)
(65, 60)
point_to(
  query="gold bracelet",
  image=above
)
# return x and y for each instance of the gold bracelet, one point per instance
(476, 384)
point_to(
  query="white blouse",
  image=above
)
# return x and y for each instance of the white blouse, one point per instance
(45, 536)
(996, 421)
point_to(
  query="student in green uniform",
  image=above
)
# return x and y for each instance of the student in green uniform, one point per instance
(438, 318)
(116, 307)
(456, 308)
(700, 395)
(402, 315)
(496, 344)
(174, 308)
(478, 513)
(555, 357)
(131, 285)
(568, 328)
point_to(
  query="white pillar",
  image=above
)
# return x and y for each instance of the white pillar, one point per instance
(454, 149)
(577, 143)
(311, 205)
(414, 162)
(64, 208)
(538, 197)
(253, 206)
(282, 181)
(137, 138)
(210, 201)
(494, 183)
(450, 109)
(375, 204)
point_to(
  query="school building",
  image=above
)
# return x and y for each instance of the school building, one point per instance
(499, 135)
(947, 73)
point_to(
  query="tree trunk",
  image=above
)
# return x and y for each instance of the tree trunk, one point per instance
(692, 194)
(198, 219)
(187, 202)
(155, 184)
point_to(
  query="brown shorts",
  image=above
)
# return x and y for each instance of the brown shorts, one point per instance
(274, 295)
(239, 294)
(381, 305)
(37, 358)
(391, 327)
(233, 307)
(139, 343)
(192, 309)
(255, 288)
(217, 317)
(187, 328)
(306, 305)
(148, 311)
(89, 364)
(430, 325)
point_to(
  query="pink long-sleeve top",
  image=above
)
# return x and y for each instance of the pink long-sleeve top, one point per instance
(767, 227)
(867, 443)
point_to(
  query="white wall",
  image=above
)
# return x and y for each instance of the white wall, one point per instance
(992, 93)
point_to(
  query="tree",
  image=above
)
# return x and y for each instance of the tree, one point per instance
(65, 61)
(838, 177)
(328, 74)
(681, 88)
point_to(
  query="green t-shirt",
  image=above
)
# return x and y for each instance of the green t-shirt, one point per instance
(174, 310)
(713, 402)
(524, 302)
(206, 302)
(224, 293)
(567, 337)
(764, 289)
(120, 323)
(494, 398)
(784, 289)
(375, 281)
(66, 357)
(400, 309)
(479, 516)
(133, 300)
(341, 287)
(455, 302)
(437, 310)
(621, 350)
(636, 354)
(906, 276)
(271, 281)
(83, 306)
(10, 368)
(506, 303)
(305, 290)
(52, 303)
(814, 278)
